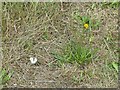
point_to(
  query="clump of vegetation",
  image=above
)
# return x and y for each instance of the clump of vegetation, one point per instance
(114, 65)
(5, 76)
(114, 4)
(75, 52)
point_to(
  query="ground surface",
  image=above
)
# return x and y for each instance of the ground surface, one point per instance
(37, 29)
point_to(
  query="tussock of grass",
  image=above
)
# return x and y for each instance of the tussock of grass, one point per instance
(75, 52)
(5, 76)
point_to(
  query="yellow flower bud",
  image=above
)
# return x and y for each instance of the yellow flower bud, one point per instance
(86, 26)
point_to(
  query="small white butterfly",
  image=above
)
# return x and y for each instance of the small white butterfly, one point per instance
(33, 60)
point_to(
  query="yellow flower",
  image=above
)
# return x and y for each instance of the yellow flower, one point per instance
(86, 26)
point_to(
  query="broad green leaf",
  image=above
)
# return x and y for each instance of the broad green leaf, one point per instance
(115, 65)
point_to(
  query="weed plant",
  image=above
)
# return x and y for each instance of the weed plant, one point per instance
(5, 76)
(75, 52)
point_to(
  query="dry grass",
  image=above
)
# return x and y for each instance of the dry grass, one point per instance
(37, 29)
